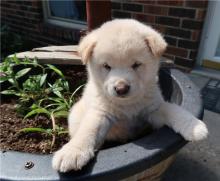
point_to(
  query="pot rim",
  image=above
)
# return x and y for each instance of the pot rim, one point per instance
(130, 159)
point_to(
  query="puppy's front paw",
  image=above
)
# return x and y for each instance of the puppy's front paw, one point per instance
(195, 131)
(71, 158)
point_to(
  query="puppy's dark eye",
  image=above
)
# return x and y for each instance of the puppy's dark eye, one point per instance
(106, 66)
(136, 65)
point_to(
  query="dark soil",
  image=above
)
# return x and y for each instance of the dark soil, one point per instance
(75, 74)
(10, 123)
(12, 139)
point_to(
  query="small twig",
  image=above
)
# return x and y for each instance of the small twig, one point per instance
(53, 130)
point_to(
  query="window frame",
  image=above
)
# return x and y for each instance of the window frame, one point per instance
(63, 22)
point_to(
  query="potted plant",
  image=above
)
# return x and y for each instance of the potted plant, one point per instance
(145, 158)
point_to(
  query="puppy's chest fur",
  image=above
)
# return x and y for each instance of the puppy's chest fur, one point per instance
(127, 125)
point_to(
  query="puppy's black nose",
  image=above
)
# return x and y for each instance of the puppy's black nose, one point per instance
(122, 88)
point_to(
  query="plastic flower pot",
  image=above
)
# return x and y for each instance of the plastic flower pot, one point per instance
(145, 158)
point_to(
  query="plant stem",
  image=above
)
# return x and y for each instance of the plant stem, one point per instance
(54, 130)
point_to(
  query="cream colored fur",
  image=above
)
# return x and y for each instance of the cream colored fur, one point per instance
(103, 115)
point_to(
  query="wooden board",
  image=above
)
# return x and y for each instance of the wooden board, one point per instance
(67, 55)
(53, 55)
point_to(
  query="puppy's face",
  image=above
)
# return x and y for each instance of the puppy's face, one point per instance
(122, 74)
(122, 64)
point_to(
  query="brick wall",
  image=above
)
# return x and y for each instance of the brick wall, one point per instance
(180, 21)
(26, 18)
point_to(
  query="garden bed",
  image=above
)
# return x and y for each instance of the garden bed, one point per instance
(11, 123)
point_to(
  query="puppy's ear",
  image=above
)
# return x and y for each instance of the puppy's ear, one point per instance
(156, 44)
(86, 47)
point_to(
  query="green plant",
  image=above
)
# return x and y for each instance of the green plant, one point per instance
(38, 95)
(58, 107)
(34, 87)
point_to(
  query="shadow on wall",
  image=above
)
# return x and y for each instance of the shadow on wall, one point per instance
(13, 43)
(185, 168)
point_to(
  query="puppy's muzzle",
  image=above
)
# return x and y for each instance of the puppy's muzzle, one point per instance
(121, 88)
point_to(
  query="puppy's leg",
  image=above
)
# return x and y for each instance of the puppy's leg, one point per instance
(182, 121)
(80, 149)
(75, 117)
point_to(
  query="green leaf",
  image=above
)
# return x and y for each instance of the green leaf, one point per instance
(15, 59)
(37, 111)
(52, 67)
(4, 78)
(61, 107)
(77, 89)
(34, 106)
(22, 72)
(62, 132)
(58, 100)
(10, 92)
(50, 85)
(63, 114)
(58, 93)
(43, 79)
(49, 105)
(66, 86)
(11, 81)
(34, 130)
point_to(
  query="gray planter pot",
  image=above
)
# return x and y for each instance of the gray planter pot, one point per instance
(147, 157)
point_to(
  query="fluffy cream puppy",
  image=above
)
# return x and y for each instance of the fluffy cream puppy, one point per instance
(122, 94)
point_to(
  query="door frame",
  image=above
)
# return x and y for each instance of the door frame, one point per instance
(209, 21)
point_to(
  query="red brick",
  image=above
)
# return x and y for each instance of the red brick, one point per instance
(145, 2)
(171, 40)
(197, 4)
(192, 24)
(169, 56)
(182, 12)
(132, 7)
(115, 5)
(177, 51)
(184, 62)
(188, 44)
(145, 18)
(121, 14)
(200, 14)
(151, 9)
(36, 3)
(196, 35)
(169, 21)
(178, 32)
(161, 29)
(171, 3)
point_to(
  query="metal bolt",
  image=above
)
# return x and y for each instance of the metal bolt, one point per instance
(188, 86)
(29, 165)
